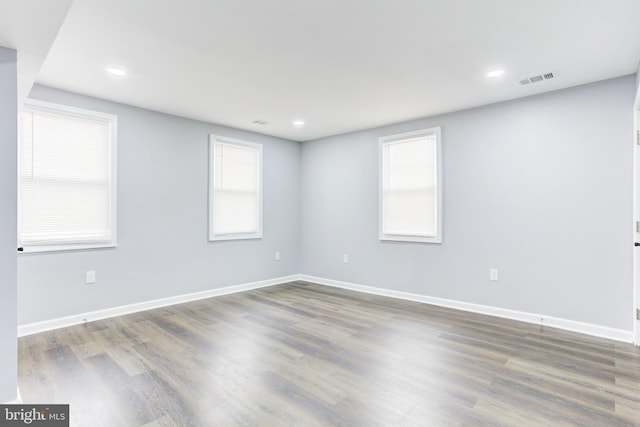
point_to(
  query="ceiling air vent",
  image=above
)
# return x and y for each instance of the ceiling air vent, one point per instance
(260, 122)
(536, 78)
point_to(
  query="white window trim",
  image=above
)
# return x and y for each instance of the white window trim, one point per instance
(232, 236)
(113, 144)
(437, 237)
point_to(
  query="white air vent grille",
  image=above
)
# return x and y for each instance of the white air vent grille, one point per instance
(536, 78)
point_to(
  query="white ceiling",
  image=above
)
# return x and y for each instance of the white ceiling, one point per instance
(340, 65)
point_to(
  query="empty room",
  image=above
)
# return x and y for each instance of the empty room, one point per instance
(330, 213)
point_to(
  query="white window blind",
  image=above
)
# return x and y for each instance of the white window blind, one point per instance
(235, 189)
(66, 185)
(410, 190)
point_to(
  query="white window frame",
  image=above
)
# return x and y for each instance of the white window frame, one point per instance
(113, 144)
(431, 238)
(213, 236)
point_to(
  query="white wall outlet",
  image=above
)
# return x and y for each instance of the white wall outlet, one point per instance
(345, 258)
(90, 277)
(493, 274)
(277, 256)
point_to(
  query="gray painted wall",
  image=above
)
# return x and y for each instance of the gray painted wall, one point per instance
(8, 185)
(637, 103)
(539, 188)
(162, 221)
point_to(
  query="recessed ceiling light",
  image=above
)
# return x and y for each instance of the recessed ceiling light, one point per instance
(495, 73)
(116, 71)
(298, 123)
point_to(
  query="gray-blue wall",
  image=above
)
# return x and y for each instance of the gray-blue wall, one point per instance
(162, 221)
(539, 188)
(8, 204)
(637, 103)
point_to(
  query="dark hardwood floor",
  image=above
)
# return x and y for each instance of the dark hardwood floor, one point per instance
(307, 355)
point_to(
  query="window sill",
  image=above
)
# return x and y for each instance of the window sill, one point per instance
(239, 236)
(414, 239)
(60, 248)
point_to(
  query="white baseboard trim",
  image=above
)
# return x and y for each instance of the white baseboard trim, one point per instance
(538, 319)
(17, 400)
(63, 322)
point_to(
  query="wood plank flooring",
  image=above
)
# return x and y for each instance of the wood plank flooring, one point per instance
(301, 354)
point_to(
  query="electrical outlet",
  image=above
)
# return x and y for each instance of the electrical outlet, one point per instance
(493, 274)
(90, 277)
(345, 258)
(277, 256)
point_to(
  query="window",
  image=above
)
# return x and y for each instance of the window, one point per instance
(235, 189)
(411, 187)
(66, 178)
